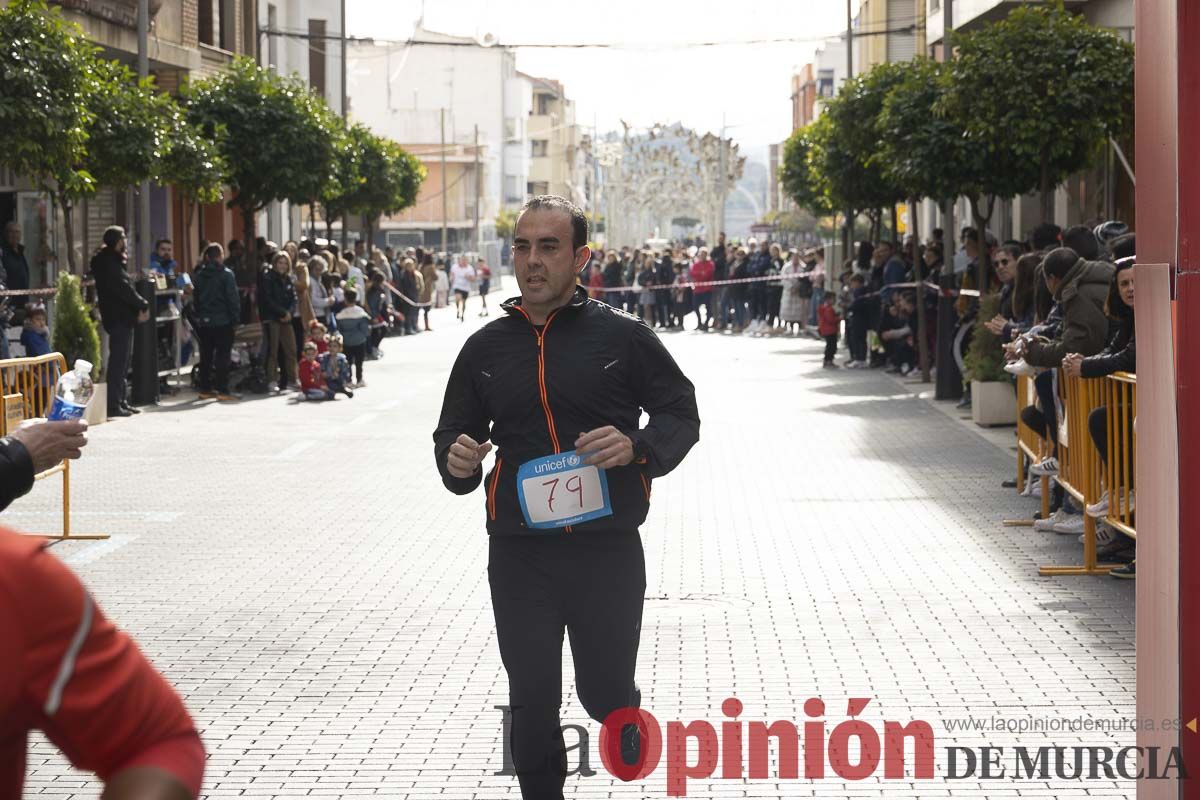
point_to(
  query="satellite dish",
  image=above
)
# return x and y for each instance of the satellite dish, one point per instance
(487, 40)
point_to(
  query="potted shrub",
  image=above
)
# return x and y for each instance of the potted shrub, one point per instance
(74, 335)
(993, 396)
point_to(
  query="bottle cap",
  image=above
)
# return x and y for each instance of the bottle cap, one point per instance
(83, 366)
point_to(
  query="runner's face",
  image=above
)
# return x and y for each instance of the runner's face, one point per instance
(544, 259)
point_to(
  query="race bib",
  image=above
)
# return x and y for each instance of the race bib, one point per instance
(560, 490)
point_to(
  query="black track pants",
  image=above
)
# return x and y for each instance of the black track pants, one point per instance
(591, 586)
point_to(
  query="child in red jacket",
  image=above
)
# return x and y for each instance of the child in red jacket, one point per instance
(312, 381)
(828, 325)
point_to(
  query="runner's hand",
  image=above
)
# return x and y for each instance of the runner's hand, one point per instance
(605, 448)
(465, 456)
(50, 442)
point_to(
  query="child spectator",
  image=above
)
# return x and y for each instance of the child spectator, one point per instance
(312, 380)
(318, 335)
(828, 323)
(354, 324)
(35, 336)
(335, 368)
(379, 308)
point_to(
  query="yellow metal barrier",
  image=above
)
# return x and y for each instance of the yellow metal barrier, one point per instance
(1031, 448)
(1079, 464)
(32, 381)
(1120, 400)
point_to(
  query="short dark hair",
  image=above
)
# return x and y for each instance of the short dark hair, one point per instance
(112, 235)
(1083, 241)
(1122, 246)
(1059, 261)
(552, 202)
(1045, 236)
(235, 244)
(161, 242)
(351, 296)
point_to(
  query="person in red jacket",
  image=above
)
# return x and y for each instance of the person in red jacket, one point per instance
(68, 672)
(828, 325)
(312, 380)
(702, 273)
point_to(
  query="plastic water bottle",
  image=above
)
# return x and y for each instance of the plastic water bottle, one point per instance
(72, 393)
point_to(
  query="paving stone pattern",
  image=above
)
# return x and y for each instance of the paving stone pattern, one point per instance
(299, 573)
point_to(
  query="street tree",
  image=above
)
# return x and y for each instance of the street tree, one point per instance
(278, 141)
(387, 181)
(849, 147)
(800, 173)
(336, 197)
(1040, 91)
(192, 165)
(44, 61)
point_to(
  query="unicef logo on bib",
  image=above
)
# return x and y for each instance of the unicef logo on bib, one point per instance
(572, 460)
(560, 490)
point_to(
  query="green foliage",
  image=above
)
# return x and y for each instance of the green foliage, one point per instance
(278, 140)
(921, 150)
(192, 163)
(1037, 92)
(506, 223)
(849, 160)
(391, 179)
(128, 131)
(337, 196)
(984, 359)
(74, 333)
(44, 122)
(800, 171)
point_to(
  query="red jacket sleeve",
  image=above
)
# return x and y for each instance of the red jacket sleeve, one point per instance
(90, 689)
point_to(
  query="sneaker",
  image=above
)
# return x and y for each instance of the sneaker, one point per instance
(208, 395)
(1105, 536)
(1047, 466)
(131, 409)
(1020, 367)
(1099, 508)
(360, 384)
(1072, 525)
(228, 397)
(631, 744)
(1046, 525)
(1127, 572)
(1122, 550)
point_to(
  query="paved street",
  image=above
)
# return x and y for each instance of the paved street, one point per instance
(321, 602)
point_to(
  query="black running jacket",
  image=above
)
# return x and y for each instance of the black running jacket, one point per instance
(533, 392)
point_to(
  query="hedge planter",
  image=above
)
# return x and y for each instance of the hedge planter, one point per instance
(993, 403)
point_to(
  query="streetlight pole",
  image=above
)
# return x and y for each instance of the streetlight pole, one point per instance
(143, 207)
(445, 210)
(848, 236)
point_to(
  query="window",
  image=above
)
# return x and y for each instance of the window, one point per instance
(316, 55)
(539, 148)
(510, 129)
(208, 14)
(227, 10)
(542, 103)
(535, 188)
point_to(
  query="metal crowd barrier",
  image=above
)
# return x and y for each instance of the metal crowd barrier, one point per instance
(27, 386)
(1120, 400)
(1079, 465)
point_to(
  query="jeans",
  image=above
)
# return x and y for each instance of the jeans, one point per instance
(818, 297)
(318, 394)
(739, 309)
(592, 587)
(216, 344)
(120, 353)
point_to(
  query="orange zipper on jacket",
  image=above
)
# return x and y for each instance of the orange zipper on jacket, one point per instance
(491, 500)
(541, 337)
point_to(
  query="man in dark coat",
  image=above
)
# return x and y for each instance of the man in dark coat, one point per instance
(121, 308)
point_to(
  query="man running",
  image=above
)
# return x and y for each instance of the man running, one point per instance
(559, 384)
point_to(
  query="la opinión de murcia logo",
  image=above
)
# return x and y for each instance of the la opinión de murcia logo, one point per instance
(742, 750)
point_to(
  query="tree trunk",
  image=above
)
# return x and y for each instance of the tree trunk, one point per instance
(369, 225)
(64, 202)
(922, 340)
(251, 248)
(189, 209)
(981, 222)
(895, 224)
(328, 228)
(1047, 191)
